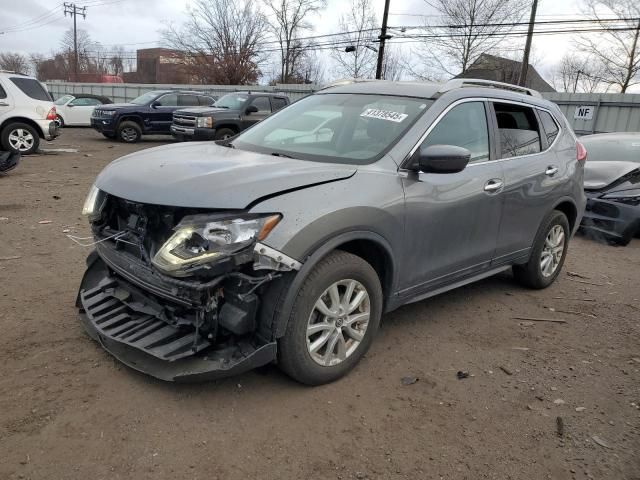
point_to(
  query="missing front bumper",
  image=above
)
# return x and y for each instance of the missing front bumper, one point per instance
(129, 325)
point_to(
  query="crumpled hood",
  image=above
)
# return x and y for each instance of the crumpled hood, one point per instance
(206, 175)
(598, 175)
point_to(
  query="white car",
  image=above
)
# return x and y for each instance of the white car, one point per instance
(27, 113)
(76, 110)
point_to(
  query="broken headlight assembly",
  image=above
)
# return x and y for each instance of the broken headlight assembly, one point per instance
(631, 197)
(94, 203)
(202, 239)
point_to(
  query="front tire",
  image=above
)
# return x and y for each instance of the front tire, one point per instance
(129, 132)
(20, 138)
(548, 253)
(223, 134)
(334, 318)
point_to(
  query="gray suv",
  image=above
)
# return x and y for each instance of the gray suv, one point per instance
(289, 241)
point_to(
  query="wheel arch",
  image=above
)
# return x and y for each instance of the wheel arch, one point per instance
(130, 118)
(368, 245)
(228, 124)
(569, 208)
(25, 120)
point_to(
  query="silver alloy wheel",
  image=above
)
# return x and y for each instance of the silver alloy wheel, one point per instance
(129, 134)
(338, 322)
(552, 251)
(21, 139)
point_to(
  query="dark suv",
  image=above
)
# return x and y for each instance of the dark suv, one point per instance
(230, 115)
(290, 241)
(150, 113)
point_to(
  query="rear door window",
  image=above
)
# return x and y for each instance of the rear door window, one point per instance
(85, 102)
(187, 101)
(206, 101)
(465, 125)
(549, 125)
(32, 88)
(278, 103)
(518, 130)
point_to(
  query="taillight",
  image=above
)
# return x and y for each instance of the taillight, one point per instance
(581, 152)
(52, 114)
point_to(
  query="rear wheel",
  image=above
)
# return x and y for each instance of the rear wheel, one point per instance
(333, 321)
(548, 254)
(59, 121)
(129, 132)
(224, 134)
(20, 138)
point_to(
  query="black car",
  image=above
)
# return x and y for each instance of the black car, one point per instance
(612, 186)
(150, 113)
(230, 115)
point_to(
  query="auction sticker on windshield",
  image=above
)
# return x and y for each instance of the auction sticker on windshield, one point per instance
(384, 115)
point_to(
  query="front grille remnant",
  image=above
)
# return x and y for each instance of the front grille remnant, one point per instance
(116, 320)
(184, 120)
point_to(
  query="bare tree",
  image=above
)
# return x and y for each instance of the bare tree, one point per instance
(14, 62)
(360, 59)
(220, 41)
(575, 73)
(464, 29)
(289, 19)
(616, 51)
(393, 64)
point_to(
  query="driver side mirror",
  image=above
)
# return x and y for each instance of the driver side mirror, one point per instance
(251, 109)
(155, 104)
(441, 159)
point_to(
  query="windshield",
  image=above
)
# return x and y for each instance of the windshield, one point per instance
(336, 128)
(64, 99)
(232, 101)
(145, 98)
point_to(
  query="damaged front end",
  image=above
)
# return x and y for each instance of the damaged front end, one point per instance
(176, 292)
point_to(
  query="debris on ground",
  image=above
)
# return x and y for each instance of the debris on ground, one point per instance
(44, 222)
(534, 319)
(506, 370)
(600, 441)
(409, 380)
(13, 257)
(560, 426)
(579, 275)
(462, 374)
(580, 409)
(559, 401)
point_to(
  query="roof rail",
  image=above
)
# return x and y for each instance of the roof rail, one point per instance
(6, 71)
(470, 82)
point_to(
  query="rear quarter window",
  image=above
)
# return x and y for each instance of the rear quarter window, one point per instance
(3, 94)
(32, 88)
(278, 103)
(549, 125)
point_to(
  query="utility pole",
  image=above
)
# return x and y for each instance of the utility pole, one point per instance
(73, 10)
(522, 80)
(383, 36)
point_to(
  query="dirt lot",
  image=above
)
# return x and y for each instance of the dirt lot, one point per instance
(69, 411)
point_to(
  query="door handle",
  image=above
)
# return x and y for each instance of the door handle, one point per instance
(551, 170)
(4, 104)
(493, 185)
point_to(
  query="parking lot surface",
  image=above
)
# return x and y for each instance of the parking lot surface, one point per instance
(558, 400)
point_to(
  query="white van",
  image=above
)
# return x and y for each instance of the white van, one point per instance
(27, 113)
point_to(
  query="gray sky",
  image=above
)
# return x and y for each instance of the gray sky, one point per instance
(136, 23)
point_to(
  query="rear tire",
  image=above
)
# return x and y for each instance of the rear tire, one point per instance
(318, 348)
(129, 132)
(224, 133)
(20, 138)
(548, 254)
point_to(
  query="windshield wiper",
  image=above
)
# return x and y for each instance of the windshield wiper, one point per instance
(284, 155)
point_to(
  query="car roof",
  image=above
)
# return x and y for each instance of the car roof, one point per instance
(90, 95)
(460, 88)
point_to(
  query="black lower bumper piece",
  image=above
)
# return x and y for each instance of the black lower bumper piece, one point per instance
(611, 220)
(114, 315)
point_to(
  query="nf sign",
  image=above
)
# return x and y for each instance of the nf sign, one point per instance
(584, 112)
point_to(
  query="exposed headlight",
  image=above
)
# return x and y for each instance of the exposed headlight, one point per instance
(107, 113)
(202, 239)
(631, 196)
(94, 203)
(204, 122)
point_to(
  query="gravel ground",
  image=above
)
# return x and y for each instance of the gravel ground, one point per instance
(69, 411)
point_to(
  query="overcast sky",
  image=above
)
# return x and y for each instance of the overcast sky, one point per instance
(136, 23)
